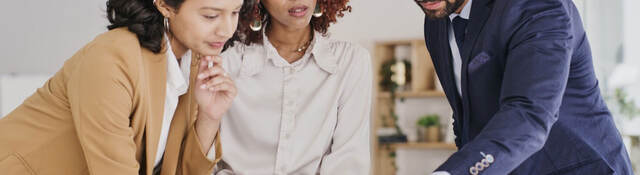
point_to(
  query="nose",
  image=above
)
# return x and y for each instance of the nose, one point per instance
(227, 27)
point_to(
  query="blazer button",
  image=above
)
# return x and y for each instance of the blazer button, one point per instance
(473, 171)
(479, 166)
(489, 157)
(485, 163)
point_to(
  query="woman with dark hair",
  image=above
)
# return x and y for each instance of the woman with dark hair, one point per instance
(135, 100)
(303, 99)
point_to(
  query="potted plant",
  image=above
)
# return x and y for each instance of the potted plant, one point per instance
(429, 128)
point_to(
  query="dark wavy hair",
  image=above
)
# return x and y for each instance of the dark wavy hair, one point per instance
(142, 18)
(331, 9)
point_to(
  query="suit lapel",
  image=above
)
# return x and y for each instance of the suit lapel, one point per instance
(183, 119)
(156, 75)
(437, 39)
(480, 10)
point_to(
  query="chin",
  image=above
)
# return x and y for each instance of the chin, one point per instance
(300, 24)
(209, 52)
(436, 14)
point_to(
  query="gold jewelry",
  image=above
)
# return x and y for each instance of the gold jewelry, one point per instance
(317, 12)
(299, 49)
(302, 48)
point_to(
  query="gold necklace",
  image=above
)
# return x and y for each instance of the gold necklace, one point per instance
(304, 47)
(300, 49)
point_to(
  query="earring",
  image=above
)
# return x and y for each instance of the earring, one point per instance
(256, 25)
(166, 24)
(318, 11)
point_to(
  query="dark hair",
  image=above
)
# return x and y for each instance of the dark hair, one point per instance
(331, 9)
(142, 18)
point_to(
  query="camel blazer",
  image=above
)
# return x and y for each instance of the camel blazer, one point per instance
(101, 114)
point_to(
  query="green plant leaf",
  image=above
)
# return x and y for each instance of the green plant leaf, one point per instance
(429, 120)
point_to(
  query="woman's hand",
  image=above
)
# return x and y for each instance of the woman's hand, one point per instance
(214, 91)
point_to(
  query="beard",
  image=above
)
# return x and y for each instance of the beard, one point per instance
(448, 8)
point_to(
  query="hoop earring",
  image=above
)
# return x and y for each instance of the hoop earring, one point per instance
(318, 11)
(166, 24)
(256, 24)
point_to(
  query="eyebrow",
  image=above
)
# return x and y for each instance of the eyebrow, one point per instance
(219, 9)
(211, 8)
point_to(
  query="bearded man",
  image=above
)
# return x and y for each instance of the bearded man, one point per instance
(519, 77)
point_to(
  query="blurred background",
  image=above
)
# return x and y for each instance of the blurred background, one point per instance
(411, 131)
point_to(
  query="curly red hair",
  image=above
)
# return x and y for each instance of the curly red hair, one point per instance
(331, 11)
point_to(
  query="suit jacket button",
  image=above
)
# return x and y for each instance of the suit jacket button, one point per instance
(473, 171)
(485, 163)
(489, 157)
(479, 166)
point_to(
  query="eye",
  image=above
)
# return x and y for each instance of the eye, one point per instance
(210, 17)
(235, 13)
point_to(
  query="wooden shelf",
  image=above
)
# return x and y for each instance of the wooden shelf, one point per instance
(424, 145)
(398, 42)
(423, 84)
(424, 94)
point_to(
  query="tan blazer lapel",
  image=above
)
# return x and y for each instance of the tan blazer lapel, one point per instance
(156, 68)
(183, 119)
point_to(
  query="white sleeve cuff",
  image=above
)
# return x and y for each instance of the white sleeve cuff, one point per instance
(440, 173)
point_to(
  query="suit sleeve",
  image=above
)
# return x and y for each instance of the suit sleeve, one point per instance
(535, 78)
(100, 97)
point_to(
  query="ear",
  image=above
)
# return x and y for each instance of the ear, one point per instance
(166, 10)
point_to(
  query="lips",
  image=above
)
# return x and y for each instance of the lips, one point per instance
(298, 11)
(432, 5)
(215, 45)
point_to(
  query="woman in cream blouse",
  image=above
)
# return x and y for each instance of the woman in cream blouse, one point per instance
(127, 102)
(303, 99)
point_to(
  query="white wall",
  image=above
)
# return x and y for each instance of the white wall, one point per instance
(631, 30)
(2, 113)
(604, 25)
(37, 36)
(380, 20)
(15, 88)
(631, 27)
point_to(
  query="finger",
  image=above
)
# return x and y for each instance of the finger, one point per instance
(217, 80)
(224, 87)
(212, 72)
(217, 60)
(211, 61)
(228, 87)
(204, 63)
(209, 64)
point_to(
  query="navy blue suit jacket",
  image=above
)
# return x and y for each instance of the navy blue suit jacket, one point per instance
(530, 96)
